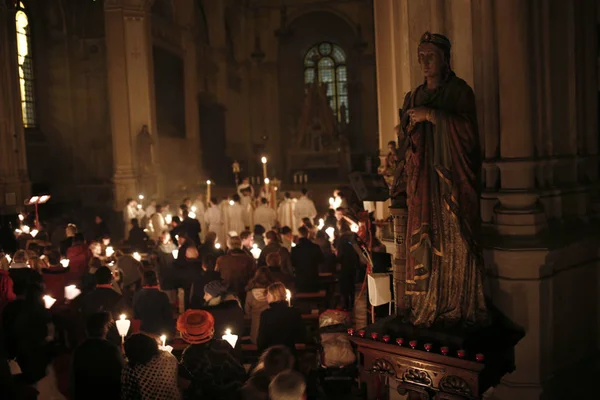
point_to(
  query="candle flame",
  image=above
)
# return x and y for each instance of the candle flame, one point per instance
(288, 294)
(34, 232)
(141, 196)
(21, 217)
(137, 256)
(217, 245)
(65, 262)
(263, 160)
(231, 202)
(267, 181)
(168, 218)
(208, 182)
(109, 251)
(122, 317)
(228, 331)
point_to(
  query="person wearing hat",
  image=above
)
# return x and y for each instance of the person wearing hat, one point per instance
(208, 362)
(225, 308)
(440, 182)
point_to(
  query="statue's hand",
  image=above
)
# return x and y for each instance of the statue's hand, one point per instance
(418, 114)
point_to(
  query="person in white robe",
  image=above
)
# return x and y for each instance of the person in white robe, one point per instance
(265, 215)
(305, 208)
(199, 209)
(131, 211)
(157, 224)
(285, 212)
(244, 186)
(246, 203)
(235, 216)
(213, 217)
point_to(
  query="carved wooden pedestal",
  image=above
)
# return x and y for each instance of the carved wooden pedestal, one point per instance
(421, 374)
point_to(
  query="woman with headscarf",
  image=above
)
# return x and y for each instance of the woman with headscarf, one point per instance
(150, 374)
(207, 363)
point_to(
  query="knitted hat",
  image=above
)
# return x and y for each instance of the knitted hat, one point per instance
(196, 326)
(215, 288)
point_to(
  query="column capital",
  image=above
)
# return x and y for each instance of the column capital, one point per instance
(138, 5)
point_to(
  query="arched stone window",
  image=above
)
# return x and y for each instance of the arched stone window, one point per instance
(327, 62)
(25, 60)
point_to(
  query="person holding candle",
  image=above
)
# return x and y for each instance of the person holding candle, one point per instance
(213, 217)
(235, 216)
(265, 215)
(225, 307)
(236, 268)
(150, 374)
(306, 258)
(163, 259)
(97, 363)
(305, 208)
(208, 363)
(55, 276)
(285, 212)
(280, 324)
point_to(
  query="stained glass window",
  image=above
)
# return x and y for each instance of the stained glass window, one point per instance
(327, 62)
(25, 60)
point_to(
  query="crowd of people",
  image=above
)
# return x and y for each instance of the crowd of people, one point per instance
(189, 276)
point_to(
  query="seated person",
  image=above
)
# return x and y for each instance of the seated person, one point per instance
(152, 307)
(224, 307)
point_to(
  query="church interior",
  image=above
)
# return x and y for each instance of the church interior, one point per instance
(101, 100)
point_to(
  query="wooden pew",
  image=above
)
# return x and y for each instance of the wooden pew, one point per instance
(307, 302)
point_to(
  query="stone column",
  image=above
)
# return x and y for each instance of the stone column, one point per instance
(517, 213)
(14, 181)
(130, 86)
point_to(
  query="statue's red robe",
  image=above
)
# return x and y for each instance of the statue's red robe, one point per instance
(443, 166)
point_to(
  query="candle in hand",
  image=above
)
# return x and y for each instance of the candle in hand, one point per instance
(64, 262)
(163, 339)
(123, 325)
(288, 297)
(71, 292)
(48, 301)
(255, 251)
(109, 251)
(231, 339)
(263, 160)
(175, 253)
(137, 256)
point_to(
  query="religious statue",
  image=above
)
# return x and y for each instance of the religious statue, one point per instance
(441, 172)
(144, 151)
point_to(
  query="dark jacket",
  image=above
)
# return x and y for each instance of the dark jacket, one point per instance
(236, 269)
(56, 277)
(191, 227)
(138, 239)
(280, 324)
(306, 257)
(153, 308)
(23, 277)
(213, 371)
(96, 370)
(102, 299)
(199, 280)
(227, 314)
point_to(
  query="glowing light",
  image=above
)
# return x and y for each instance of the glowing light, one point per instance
(231, 202)
(321, 223)
(139, 206)
(208, 182)
(34, 200)
(331, 201)
(293, 244)
(21, 217)
(44, 199)
(263, 160)
(192, 215)
(8, 258)
(354, 228)
(26, 229)
(141, 196)
(330, 232)
(194, 209)
(34, 232)
(255, 251)
(65, 262)
(267, 181)
(217, 246)
(230, 338)
(71, 292)
(123, 325)
(48, 301)
(175, 253)
(288, 297)
(168, 218)
(163, 339)
(109, 251)
(137, 256)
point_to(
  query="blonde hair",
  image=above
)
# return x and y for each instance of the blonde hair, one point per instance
(71, 229)
(277, 290)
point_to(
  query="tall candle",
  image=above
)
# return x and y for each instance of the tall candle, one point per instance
(288, 297)
(267, 181)
(305, 178)
(208, 183)
(264, 163)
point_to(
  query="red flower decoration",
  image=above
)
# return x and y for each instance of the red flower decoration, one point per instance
(479, 357)
(400, 341)
(444, 350)
(413, 343)
(374, 335)
(386, 338)
(361, 333)
(350, 331)
(428, 346)
(461, 353)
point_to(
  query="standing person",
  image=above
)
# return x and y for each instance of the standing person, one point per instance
(287, 237)
(265, 215)
(200, 210)
(190, 226)
(21, 274)
(285, 212)
(152, 307)
(214, 220)
(247, 241)
(256, 298)
(130, 212)
(97, 363)
(137, 239)
(235, 216)
(306, 258)
(350, 266)
(150, 374)
(100, 229)
(207, 363)
(280, 324)
(236, 268)
(158, 223)
(305, 208)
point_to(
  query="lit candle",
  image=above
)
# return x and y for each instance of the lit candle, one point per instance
(168, 218)
(208, 183)
(137, 256)
(354, 228)
(48, 301)
(8, 258)
(231, 202)
(21, 217)
(321, 223)
(175, 253)
(109, 251)
(288, 297)
(64, 262)
(293, 244)
(230, 338)
(163, 339)
(123, 325)
(330, 232)
(71, 292)
(267, 181)
(139, 206)
(26, 229)
(331, 202)
(255, 251)
(194, 209)
(34, 232)
(141, 196)
(217, 246)
(263, 160)
(192, 215)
